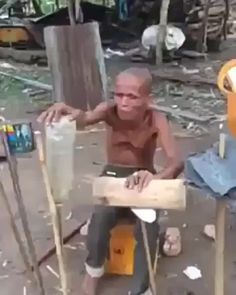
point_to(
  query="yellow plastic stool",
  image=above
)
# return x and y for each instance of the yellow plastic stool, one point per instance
(121, 250)
(228, 73)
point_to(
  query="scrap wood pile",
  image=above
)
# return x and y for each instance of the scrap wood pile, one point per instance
(216, 18)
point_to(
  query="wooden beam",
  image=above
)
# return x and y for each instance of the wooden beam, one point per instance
(76, 61)
(161, 194)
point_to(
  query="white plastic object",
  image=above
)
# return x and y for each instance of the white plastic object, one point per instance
(146, 215)
(175, 38)
(193, 273)
(60, 139)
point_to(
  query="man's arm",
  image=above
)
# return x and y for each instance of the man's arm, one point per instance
(94, 116)
(56, 111)
(174, 164)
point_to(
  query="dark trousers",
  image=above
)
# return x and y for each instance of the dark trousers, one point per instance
(103, 221)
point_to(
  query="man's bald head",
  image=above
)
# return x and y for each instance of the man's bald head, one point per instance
(141, 75)
(132, 93)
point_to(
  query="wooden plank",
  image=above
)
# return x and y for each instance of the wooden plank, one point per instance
(162, 194)
(76, 61)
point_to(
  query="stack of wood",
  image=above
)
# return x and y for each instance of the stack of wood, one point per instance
(196, 14)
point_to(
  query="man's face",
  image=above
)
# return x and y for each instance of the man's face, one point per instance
(130, 97)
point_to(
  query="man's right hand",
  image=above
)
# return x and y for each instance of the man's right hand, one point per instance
(56, 111)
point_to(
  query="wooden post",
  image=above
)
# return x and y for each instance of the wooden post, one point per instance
(71, 12)
(162, 30)
(226, 17)
(220, 247)
(220, 233)
(76, 61)
(56, 217)
(203, 41)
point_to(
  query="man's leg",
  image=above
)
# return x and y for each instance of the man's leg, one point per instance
(140, 281)
(101, 224)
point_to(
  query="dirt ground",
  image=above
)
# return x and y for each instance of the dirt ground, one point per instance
(90, 156)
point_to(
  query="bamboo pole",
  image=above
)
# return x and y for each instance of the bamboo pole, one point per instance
(162, 31)
(151, 271)
(16, 234)
(156, 256)
(56, 220)
(12, 164)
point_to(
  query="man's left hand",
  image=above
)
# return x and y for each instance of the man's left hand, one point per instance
(139, 180)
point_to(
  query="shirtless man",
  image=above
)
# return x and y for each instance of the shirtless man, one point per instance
(133, 128)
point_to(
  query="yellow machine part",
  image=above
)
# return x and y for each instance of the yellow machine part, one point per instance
(13, 35)
(121, 250)
(224, 78)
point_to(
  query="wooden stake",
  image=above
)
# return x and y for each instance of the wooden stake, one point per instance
(220, 234)
(162, 31)
(16, 233)
(222, 146)
(55, 217)
(149, 260)
(226, 17)
(22, 211)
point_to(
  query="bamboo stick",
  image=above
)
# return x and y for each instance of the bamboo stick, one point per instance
(55, 217)
(220, 233)
(149, 260)
(16, 234)
(22, 211)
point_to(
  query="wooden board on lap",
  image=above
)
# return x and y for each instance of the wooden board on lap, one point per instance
(161, 194)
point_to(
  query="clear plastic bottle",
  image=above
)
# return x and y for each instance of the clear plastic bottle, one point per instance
(60, 139)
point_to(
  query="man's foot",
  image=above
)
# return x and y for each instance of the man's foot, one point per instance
(90, 285)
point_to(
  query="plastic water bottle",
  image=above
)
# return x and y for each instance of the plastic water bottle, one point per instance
(60, 139)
